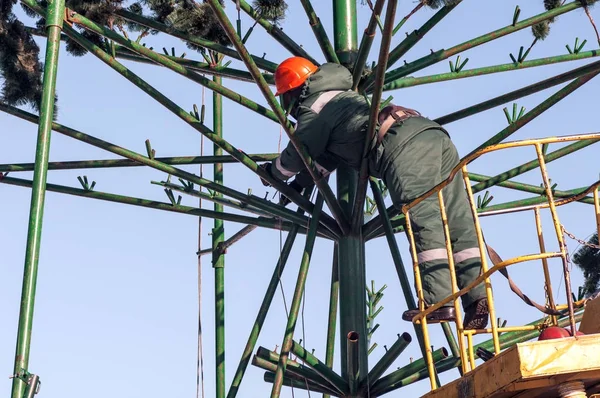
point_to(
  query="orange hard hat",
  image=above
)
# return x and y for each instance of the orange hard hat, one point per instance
(292, 73)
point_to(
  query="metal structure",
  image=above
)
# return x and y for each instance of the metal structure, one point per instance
(346, 225)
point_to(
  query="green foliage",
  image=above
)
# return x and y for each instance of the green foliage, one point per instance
(588, 260)
(541, 30)
(271, 10)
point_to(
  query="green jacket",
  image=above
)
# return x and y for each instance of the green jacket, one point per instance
(332, 121)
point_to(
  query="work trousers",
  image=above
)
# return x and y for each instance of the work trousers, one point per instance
(420, 164)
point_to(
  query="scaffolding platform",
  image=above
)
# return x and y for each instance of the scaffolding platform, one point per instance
(531, 370)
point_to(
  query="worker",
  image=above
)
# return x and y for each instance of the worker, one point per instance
(410, 153)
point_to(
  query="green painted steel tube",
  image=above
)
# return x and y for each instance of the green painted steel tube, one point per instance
(320, 33)
(244, 198)
(264, 308)
(275, 32)
(344, 25)
(287, 343)
(352, 362)
(111, 163)
(261, 62)
(441, 55)
(416, 81)
(319, 367)
(218, 257)
(303, 385)
(152, 204)
(538, 110)
(193, 122)
(297, 368)
(54, 22)
(388, 358)
(365, 44)
(321, 183)
(405, 371)
(164, 61)
(334, 294)
(357, 220)
(522, 92)
(532, 165)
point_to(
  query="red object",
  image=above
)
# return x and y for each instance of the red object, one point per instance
(554, 332)
(292, 73)
(577, 333)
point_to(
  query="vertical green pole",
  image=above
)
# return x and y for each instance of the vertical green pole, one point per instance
(351, 265)
(218, 259)
(333, 307)
(54, 19)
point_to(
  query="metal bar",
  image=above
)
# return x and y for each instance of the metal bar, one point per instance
(363, 176)
(365, 44)
(244, 198)
(270, 378)
(320, 33)
(110, 163)
(285, 123)
(215, 85)
(441, 55)
(275, 32)
(532, 165)
(218, 257)
(548, 281)
(333, 311)
(410, 81)
(264, 308)
(352, 361)
(388, 358)
(320, 368)
(413, 38)
(345, 38)
(54, 23)
(287, 343)
(152, 204)
(596, 210)
(193, 122)
(522, 92)
(239, 235)
(199, 41)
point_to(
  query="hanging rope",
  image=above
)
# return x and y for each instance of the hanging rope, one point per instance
(200, 359)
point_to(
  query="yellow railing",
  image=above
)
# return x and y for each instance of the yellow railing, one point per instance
(466, 350)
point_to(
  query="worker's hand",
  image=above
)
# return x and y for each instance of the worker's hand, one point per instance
(283, 200)
(267, 168)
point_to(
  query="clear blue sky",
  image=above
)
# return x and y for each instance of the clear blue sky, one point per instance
(117, 301)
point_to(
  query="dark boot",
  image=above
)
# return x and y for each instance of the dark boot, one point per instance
(443, 314)
(476, 315)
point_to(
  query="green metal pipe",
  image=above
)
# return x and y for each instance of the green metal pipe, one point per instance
(253, 200)
(416, 81)
(320, 33)
(388, 358)
(516, 94)
(345, 38)
(111, 163)
(352, 361)
(199, 41)
(441, 55)
(304, 385)
(319, 367)
(376, 223)
(321, 183)
(287, 343)
(357, 220)
(193, 122)
(333, 310)
(54, 23)
(532, 165)
(171, 64)
(365, 44)
(297, 368)
(405, 371)
(538, 110)
(152, 204)
(275, 32)
(264, 308)
(218, 257)
(413, 38)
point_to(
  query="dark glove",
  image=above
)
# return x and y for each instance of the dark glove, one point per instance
(267, 168)
(283, 200)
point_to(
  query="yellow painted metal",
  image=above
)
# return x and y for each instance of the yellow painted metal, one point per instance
(471, 353)
(548, 286)
(449, 252)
